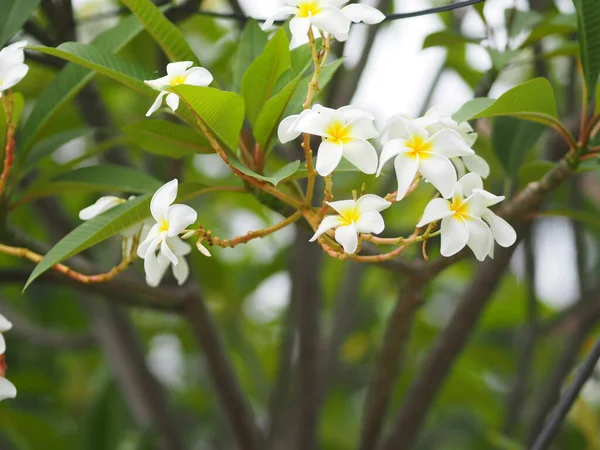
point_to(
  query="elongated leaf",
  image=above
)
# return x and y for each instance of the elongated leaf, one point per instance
(47, 146)
(70, 80)
(104, 62)
(252, 44)
(588, 33)
(512, 139)
(164, 32)
(260, 78)
(167, 138)
(104, 226)
(282, 174)
(221, 111)
(533, 100)
(14, 15)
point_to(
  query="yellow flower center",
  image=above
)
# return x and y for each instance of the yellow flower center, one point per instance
(418, 147)
(177, 80)
(459, 208)
(350, 216)
(338, 133)
(164, 226)
(308, 9)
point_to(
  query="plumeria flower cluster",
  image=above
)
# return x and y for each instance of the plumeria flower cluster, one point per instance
(328, 16)
(7, 389)
(12, 66)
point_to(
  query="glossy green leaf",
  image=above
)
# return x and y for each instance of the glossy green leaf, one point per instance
(105, 63)
(14, 15)
(221, 111)
(282, 174)
(167, 138)
(70, 80)
(512, 139)
(252, 43)
(259, 80)
(162, 30)
(533, 100)
(588, 33)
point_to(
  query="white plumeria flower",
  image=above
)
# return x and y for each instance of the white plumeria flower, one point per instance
(504, 234)
(418, 151)
(360, 216)
(344, 131)
(181, 270)
(12, 66)
(473, 163)
(102, 205)
(326, 15)
(7, 389)
(177, 73)
(171, 220)
(5, 325)
(461, 222)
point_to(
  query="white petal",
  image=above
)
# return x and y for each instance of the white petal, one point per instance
(406, 170)
(436, 209)
(467, 133)
(328, 157)
(460, 167)
(181, 271)
(2, 345)
(283, 13)
(449, 144)
(173, 101)
(331, 20)
(7, 389)
(504, 234)
(14, 76)
(489, 198)
(372, 202)
(348, 237)
(13, 54)
(399, 127)
(343, 206)
(178, 68)
(480, 237)
(287, 131)
(440, 172)
(159, 83)
(352, 113)
(5, 325)
(168, 252)
(370, 222)
(156, 104)
(477, 164)
(361, 154)
(198, 76)
(162, 263)
(363, 13)
(363, 128)
(179, 218)
(469, 183)
(103, 204)
(299, 27)
(179, 247)
(315, 123)
(391, 149)
(455, 235)
(162, 199)
(326, 224)
(151, 266)
(148, 242)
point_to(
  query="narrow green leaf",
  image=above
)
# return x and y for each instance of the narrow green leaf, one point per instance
(14, 15)
(47, 146)
(556, 24)
(512, 139)
(164, 32)
(221, 111)
(167, 138)
(282, 174)
(260, 78)
(588, 32)
(533, 100)
(447, 38)
(104, 62)
(70, 80)
(252, 44)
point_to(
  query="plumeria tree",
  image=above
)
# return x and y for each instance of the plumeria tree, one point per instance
(402, 231)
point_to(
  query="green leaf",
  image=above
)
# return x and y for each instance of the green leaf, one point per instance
(252, 44)
(534, 171)
(260, 78)
(557, 24)
(533, 100)
(521, 20)
(588, 31)
(598, 98)
(14, 15)
(70, 80)
(221, 111)
(446, 38)
(512, 139)
(163, 31)
(104, 62)
(167, 138)
(284, 173)
(501, 59)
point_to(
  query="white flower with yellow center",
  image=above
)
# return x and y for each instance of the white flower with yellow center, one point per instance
(344, 131)
(326, 15)
(461, 222)
(504, 234)
(177, 73)
(12, 66)
(417, 151)
(354, 217)
(473, 163)
(171, 221)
